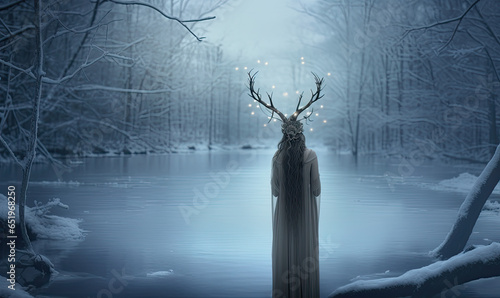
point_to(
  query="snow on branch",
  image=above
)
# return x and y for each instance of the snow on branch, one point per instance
(456, 19)
(82, 67)
(182, 22)
(439, 277)
(487, 53)
(25, 71)
(17, 32)
(117, 89)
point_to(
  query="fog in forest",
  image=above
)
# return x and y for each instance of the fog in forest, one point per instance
(124, 79)
(131, 112)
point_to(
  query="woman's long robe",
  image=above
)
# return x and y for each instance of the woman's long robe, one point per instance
(295, 254)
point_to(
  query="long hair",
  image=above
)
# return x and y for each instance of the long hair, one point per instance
(292, 155)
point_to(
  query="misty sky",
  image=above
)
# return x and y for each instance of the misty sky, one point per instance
(257, 27)
(269, 31)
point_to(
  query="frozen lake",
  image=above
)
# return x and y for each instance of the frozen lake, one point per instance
(199, 225)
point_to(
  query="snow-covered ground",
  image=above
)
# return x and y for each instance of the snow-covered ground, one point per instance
(44, 225)
(5, 292)
(462, 183)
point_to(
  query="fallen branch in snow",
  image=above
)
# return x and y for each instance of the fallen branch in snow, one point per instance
(42, 225)
(439, 277)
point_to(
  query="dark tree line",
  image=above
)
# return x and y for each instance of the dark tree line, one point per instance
(403, 76)
(413, 74)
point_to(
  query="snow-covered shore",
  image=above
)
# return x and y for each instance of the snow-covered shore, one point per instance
(44, 225)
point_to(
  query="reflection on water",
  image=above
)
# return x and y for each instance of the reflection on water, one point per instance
(187, 225)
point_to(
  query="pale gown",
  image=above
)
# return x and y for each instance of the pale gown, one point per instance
(295, 258)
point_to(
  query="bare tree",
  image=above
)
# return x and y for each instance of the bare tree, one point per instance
(47, 26)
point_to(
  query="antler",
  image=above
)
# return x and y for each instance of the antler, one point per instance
(255, 95)
(315, 96)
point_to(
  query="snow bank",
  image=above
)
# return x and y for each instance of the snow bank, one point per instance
(463, 183)
(46, 226)
(56, 183)
(492, 206)
(8, 293)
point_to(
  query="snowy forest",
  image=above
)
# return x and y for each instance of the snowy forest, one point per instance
(87, 86)
(124, 79)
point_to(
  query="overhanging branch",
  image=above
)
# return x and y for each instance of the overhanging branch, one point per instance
(456, 19)
(182, 22)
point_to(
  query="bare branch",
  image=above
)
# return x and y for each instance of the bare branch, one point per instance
(456, 19)
(497, 75)
(116, 89)
(488, 27)
(67, 77)
(182, 22)
(25, 71)
(20, 31)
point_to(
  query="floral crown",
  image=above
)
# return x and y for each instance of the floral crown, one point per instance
(292, 129)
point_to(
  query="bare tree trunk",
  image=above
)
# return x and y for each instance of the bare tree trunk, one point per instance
(470, 210)
(31, 151)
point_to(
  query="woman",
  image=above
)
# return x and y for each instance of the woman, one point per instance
(296, 186)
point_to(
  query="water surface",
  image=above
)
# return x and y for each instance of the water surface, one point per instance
(199, 225)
